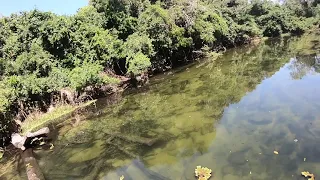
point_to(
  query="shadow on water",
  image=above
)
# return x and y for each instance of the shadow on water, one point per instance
(229, 115)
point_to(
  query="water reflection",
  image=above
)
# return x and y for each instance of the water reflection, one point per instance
(303, 65)
(229, 115)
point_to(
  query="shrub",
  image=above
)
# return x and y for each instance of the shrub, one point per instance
(138, 64)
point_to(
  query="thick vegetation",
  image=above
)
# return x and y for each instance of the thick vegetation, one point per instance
(43, 54)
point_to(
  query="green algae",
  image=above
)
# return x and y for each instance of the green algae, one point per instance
(81, 155)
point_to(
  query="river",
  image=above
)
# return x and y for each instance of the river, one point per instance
(228, 114)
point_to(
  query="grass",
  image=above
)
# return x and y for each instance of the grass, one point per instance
(60, 113)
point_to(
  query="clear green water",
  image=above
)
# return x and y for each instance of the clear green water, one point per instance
(228, 115)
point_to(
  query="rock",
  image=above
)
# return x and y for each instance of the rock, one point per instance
(18, 141)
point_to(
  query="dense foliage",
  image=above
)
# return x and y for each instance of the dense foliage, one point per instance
(42, 53)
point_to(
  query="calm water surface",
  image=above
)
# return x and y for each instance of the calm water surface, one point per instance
(229, 115)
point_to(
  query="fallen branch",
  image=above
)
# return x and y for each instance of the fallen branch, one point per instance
(123, 150)
(136, 139)
(42, 131)
(32, 168)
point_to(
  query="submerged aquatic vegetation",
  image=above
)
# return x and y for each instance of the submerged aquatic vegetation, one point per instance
(203, 173)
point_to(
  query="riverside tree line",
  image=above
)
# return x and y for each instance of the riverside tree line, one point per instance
(42, 53)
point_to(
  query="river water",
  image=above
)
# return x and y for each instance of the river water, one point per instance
(228, 114)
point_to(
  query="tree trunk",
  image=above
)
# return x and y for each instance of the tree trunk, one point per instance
(32, 168)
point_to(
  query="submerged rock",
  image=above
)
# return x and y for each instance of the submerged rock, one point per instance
(237, 158)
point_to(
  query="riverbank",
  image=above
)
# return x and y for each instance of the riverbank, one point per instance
(61, 112)
(64, 112)
(181, 111)
(47, 58)
(69, 120)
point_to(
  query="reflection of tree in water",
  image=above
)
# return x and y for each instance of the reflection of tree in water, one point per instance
(306, 58)
(225, 84)
(317, 63)
(303, 65)
(180, 112)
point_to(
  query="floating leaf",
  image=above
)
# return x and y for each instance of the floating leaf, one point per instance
(276, 152)
(308, 175)
(122, 177)
(203, 173)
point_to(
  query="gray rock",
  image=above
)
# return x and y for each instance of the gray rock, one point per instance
(18, 141)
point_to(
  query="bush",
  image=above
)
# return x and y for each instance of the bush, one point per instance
(138, 64)
(272, 30)
(211, 27)
(88, 74)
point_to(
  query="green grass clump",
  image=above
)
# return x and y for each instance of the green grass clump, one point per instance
(60, 113)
